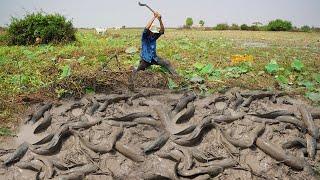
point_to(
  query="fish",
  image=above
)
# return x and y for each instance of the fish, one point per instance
(44, 124)
(36, 116)
(313, 130)
(17, 154)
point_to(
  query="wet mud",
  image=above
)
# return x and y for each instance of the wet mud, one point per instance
(161, 134)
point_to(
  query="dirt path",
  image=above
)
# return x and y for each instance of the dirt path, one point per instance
(158, 134)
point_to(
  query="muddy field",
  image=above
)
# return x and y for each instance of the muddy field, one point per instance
(159, 134)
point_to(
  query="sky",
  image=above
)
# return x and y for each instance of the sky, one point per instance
(115, 13)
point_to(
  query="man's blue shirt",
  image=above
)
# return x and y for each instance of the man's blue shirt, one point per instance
(149, 45)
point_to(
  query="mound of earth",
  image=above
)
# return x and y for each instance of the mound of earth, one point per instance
(160, 134)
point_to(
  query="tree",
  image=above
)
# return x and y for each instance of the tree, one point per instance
(244, 27)
(201, 22)
(279, 25)
(189, 22)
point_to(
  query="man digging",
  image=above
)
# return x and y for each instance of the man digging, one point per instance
(148, 53)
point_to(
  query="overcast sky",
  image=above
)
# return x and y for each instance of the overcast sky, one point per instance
(107, 13)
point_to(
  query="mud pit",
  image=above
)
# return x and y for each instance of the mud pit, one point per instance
(158, 134)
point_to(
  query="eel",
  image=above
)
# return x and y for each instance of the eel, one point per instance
(311, 146)
(239, 100)
(112, 99)
(280, 155)
(211, 170)
(224, 163)
(36, 116)
(124, 150)
(186, 130)
(187, 160)
(131, 116)
(96, 148)
(254, 134)
(95, 105)
(17, 154)
(175, 155)
(84, 124)
(195, 135)
(228, 118)
(85, 169)
(294, 121)
(45, 139)
(147, 121)
(44, 124)
(294, 142)
(72, 176)
(313, 130)
(232, 149)
(273, 114)
(52, 146)
(29, 165)
(200, 156)
(157, 143)
(165, 119)
(184, 114)
(49, 170)
(251, 96)
(182, 103)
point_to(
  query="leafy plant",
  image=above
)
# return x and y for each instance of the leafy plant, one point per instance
(172, 84)
(244, 27)
(313, 96)
(317, 78)
(297, 65)
(40, 28)
(272, 67)
(189, 22)
(5, 132)
(222, 26)
(282, 80)
(279, 25)
(201, 23)
(305, 28)
(66, 71)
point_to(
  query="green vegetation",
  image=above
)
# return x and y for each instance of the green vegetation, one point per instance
(305, 28)
(189, 22)
(40, 28)
(201, 22)
(222, 26)
(279, 25)
(287, 61)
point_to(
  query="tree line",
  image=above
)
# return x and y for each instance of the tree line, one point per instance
(274, 25)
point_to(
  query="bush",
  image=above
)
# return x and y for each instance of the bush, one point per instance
(201, 23)
(40, 27)
(223, 26)
(244, 27)
(305, 28)
(253, 28)
(234, 27)
(189, 22)
(279, 25)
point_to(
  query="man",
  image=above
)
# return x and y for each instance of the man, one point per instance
(148, 53)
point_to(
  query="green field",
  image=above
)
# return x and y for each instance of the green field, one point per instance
(52, 71)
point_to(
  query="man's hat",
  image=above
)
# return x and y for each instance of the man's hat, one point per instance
(154, 29)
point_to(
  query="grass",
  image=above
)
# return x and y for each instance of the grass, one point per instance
(56, 70)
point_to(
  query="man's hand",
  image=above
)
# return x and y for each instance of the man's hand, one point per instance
(157, 15)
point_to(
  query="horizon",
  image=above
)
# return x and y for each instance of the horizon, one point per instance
(99, 13)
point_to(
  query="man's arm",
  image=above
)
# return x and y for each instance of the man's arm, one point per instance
(150, 22)
(161, 24)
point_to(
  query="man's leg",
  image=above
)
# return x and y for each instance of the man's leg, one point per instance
(142, 66)
(166, 64)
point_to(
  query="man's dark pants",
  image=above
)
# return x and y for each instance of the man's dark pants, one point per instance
(143, 65)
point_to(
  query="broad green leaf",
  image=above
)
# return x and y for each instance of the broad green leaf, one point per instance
(308, 84)
(317, 78)
(66, 71)
(297, 65)
(5, 132)
(171, 84)
(80, 59)
(315, 97)
(207, 69)
(272, 67)
(282, 80)
(198, 66)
